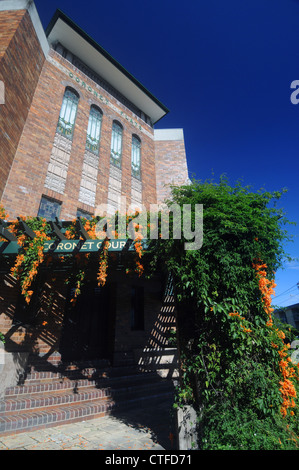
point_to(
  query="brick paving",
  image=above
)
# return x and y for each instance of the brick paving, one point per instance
(136, 429)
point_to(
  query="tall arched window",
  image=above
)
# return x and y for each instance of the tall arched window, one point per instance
(94, 130)
(68, 112)
(136, 156)
(116, 144)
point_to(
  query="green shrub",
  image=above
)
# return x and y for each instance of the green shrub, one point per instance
(228, 428)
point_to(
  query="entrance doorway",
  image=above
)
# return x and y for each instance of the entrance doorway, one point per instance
(88, 328)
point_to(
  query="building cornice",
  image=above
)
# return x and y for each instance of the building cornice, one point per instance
(62, 29)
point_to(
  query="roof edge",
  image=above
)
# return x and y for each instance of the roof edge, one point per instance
(59, 14)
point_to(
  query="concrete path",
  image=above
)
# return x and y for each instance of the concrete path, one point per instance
(139, 429)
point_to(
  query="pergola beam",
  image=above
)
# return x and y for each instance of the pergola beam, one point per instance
(4, 233)
(57, 231)
(27, 230)
(82, 230)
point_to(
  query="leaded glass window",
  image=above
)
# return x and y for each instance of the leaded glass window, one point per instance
(68, 112)
(49, 208)
(84, 214)
(116, 144)
(136, 156)
(94, 130)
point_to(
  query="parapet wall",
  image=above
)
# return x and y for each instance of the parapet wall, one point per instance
(171, 162)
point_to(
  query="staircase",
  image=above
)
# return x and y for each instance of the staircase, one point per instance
(54, 394)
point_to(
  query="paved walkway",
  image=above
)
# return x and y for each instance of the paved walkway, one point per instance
(141, 429)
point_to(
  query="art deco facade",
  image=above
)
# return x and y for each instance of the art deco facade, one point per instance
(77, 132)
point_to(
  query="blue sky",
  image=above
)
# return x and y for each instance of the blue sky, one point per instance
(224, 70)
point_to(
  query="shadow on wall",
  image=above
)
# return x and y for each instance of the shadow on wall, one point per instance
(37, 328)
(159, 358)
(138, 395)
(159, 354)
(29, 331)
(12, 368)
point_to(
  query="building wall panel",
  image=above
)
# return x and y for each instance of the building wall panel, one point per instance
(26, 182)
(21, 60)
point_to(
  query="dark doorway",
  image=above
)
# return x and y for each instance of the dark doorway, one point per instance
(88, 329)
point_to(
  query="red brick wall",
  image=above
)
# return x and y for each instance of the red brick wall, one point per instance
(8, 300)
(26, 182)
(21, 60)
(44, 338)
(171, 166)
(158, 319)
(28, 121)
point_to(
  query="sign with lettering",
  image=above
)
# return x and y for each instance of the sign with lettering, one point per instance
(70, 246)
(64, 247)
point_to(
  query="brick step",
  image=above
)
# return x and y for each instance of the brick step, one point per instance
(54, 393)
(25, 402)
(38, 363)
(39, 419)
(63, 384)
(54, 416)
(38, 377)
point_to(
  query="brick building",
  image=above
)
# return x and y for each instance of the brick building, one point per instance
(65, 76)
(77, 132)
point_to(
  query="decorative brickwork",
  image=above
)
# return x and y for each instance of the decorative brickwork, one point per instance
(58, 166)
(89, 179)
(114, 189)
(136, 192)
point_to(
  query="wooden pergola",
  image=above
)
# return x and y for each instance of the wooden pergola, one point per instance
(59, 244)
